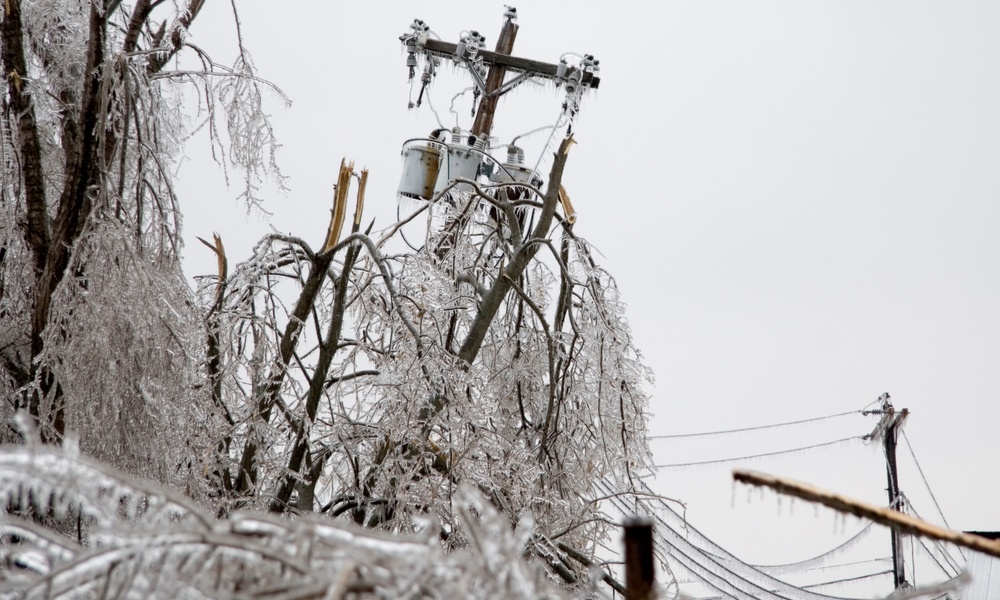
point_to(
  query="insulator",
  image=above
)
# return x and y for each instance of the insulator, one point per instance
(460, 50)
(411, 62)
(561, 69)
(574, 80)
(515, 155)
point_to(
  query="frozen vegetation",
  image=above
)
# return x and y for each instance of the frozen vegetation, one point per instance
(353, 416)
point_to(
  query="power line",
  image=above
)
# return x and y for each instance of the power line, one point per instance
(924, 478)
(817, 562)
(944, 570)
(937, 506)
(756, 456)
(937, 543)
(756, 428)
(708, 561)
(847, 580)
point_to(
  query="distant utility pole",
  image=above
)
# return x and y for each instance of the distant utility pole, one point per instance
(888, 428)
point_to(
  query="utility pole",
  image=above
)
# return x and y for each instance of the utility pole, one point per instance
(461, 154)
(888, 428)
(488, 103)
(493, 84)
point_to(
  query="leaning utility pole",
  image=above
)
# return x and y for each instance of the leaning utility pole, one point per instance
(488, 103)
(888, 428)
(432, 165)
(493, 84)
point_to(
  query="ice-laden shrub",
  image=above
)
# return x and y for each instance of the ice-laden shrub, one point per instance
(76, 528)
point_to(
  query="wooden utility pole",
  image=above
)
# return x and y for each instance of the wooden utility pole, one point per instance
(488, 103)
(888, 429)
(895, 499)
(490, 71)
(500, 63)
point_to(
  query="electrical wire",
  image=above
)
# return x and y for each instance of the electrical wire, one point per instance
(944, 570)
(755, 428)
(812, 563)
(875, 401)
(941, 548)
(847, 579)
(548, 143)
(728, 583)
(513, 142)
(712, 564)
(451, 108)
(434, 110)
(924, 478)
(756, 456)
(403, 234)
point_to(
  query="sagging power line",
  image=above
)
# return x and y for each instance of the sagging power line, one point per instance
(755, 428)
(761, 455)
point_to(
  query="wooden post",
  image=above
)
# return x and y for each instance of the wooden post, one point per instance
(640, 571)
(488, 103)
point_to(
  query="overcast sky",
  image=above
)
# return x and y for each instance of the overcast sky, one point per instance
(800, 202)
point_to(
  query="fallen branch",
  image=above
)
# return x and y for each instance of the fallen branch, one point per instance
(883, 516)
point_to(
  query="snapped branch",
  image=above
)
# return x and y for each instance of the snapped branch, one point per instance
(884, 516)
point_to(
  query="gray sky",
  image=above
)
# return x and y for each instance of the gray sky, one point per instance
(799, 201)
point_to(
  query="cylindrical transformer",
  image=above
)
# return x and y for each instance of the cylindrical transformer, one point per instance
(421, 167)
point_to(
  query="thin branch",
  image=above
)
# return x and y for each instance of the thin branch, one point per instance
(583, 560)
